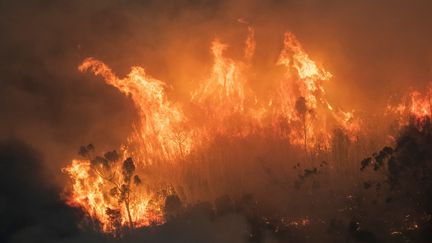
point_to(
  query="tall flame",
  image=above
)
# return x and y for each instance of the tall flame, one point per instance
(166, 133)
(302, 98)
(156, 132)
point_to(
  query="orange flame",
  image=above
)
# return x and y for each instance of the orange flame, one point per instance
(158, 117)
(90, 190)
(303, 78)
(417, 105)
(421, 105)
(228, 106)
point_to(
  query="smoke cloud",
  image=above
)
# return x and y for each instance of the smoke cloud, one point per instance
(48, 109)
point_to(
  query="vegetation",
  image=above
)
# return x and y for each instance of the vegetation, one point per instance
(390, 201)
(121, 188)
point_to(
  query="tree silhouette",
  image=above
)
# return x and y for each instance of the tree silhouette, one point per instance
(302, 110)
(408, 170)
(408, 166)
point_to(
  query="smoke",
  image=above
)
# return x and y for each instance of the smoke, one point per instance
(372, 48)
(31, 210)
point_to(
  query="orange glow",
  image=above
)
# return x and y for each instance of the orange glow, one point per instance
(156, 132)
(226, 86)
(303, 78)
(89, 191)
(417, 105)
(166, 133)
(421, 104)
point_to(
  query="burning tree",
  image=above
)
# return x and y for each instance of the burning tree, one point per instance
(121, 184)
(168, 136)
(302, 110)
(110, 191)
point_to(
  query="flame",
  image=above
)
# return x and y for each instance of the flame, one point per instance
(227, 106)
(225, 89)
(159, 118)
(421, 105)
(417, 105)
(89, 191)
(304, 79)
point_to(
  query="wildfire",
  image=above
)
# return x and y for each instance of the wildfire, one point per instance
(416, 105)
(102, 192)
(302, 98)
(156, 131)
(298, 112)
(421, 105)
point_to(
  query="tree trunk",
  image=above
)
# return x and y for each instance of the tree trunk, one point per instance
(129, 215)
(305, 134)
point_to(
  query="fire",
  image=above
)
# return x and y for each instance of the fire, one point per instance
(91, 191)
(156, 131)
(225, 93)
(417, 105)
(228, 107)
(302, 96)
(421, 105)
(225, 87)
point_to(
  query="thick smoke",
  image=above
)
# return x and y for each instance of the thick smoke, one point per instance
(374, 49)
(30, 209)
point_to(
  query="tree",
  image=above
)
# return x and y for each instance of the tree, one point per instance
(408, 166)
(407, 169)
(172, 207)
(105, 167)
(302, 110)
